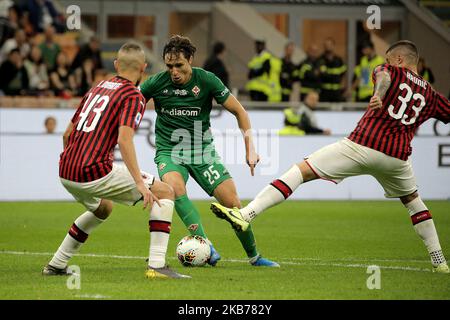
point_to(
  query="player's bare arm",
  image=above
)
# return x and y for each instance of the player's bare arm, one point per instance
(67, 133)
(235, 107)
(128, 152)
(383, 81)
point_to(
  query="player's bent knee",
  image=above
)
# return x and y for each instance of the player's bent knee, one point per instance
(409, 198)
(163, 190)
(167, 192)
(307, 173)
(104, 210)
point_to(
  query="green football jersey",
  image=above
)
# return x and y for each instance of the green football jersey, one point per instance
(183, 111)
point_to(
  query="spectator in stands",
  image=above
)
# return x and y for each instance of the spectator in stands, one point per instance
(287, 72)
(50, 125)
(4, 7)
(14, 77)
(215, 63)
(18, 42)
(43, 13)
(264, 75)
(49, 48)
(424, 71)
(37, 73)
(62, 81)
(362, 87)
(332, 71)
(91, 50)
(85, 76)
(308, 122)
(308, 72)
(302, 120)
(9, 21)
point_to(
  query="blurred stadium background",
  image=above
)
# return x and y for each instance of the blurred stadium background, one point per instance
(106, 25)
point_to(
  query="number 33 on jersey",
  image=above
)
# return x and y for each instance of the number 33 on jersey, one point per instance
(408, 103)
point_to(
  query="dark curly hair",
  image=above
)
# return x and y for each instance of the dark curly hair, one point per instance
(178, 44)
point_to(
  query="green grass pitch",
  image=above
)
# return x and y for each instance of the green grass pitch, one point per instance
(324, 248)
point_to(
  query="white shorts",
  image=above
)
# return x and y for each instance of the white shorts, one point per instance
(117, 186)
(346, 158)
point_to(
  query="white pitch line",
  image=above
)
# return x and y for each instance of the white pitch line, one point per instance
(358, 265)
(316, 261)
(92, 296)
(362, 259)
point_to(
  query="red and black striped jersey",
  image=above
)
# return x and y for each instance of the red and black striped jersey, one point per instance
(88, 154)
(409, 102)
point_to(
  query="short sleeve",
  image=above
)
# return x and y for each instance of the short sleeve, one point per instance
(147, 88)
(133, 108)
(382, 67)
(442, 108)
(219, 91)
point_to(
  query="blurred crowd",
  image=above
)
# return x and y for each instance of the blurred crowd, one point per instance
(323, 71)
(31, 60)
(33, 63)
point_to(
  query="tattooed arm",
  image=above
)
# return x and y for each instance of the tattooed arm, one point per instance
(383, 81)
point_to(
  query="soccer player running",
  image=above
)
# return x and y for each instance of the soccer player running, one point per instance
(108, 115)
(379, 146)
(184, 144)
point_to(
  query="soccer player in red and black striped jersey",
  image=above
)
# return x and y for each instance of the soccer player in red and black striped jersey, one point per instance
(108, 115)
(379, 146)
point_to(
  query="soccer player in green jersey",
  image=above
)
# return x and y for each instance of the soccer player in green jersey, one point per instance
(184, 145)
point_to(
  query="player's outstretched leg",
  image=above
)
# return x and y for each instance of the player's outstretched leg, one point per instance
(159, 226)
(278, 191)
(226, 193)
(76, 236)
(424, 227)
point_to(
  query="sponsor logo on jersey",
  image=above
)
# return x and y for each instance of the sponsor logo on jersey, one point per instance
(161, 166)
(196, 90)
(182, 111)
(224, 92)
(179, 92)
(166, 92)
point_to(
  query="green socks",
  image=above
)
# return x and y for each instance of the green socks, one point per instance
(189, 215)
(247, 239)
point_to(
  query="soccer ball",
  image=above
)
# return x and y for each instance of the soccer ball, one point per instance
(193, 251)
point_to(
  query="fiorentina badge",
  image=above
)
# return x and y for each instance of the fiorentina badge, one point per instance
(196, 90)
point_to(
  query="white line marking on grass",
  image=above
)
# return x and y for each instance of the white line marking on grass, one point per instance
(356, 265)
(288, 261)
(92, 296)
(361, 259)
